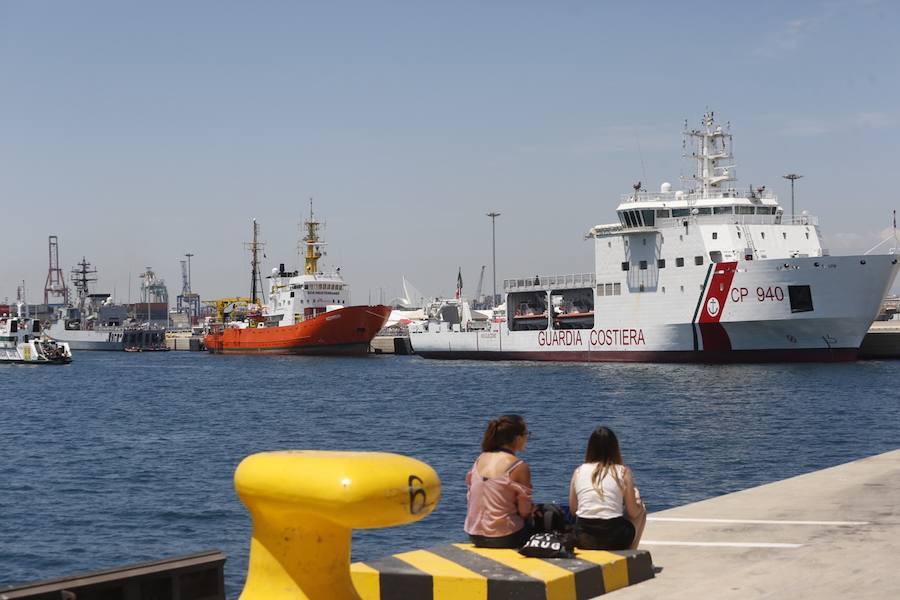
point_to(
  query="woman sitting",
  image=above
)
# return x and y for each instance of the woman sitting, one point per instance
(499, 484)
(602, 495)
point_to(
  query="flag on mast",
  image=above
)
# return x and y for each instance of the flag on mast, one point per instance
(459, 283)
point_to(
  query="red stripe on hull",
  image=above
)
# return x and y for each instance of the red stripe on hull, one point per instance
(345, 331)
(714, 336)
(732, 356)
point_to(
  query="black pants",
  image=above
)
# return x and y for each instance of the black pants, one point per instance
(604, 534)
(513, 540)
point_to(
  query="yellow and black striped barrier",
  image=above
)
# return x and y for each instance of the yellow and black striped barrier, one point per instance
(458, 571)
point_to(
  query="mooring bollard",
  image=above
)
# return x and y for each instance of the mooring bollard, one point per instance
(304, 504)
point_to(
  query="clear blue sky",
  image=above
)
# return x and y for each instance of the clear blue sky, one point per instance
(137, 132)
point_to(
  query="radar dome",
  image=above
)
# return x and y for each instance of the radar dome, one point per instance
(679, 195)
(665, 187)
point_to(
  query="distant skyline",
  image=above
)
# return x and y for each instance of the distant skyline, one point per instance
(141, 132)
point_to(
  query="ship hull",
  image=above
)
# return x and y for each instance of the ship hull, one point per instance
(345, 331)
(744, 312)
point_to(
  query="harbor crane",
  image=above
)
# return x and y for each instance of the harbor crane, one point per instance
(478, 297)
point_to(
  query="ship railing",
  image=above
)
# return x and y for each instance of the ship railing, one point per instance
(571, 280)
(691, 196)
(735, 219)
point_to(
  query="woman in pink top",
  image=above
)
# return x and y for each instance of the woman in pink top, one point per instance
(499, 483)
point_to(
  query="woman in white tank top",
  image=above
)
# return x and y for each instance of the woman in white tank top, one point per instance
(608, 508)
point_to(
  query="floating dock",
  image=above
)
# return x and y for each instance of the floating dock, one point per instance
(828, 534)
(882, 340)
(387, 344)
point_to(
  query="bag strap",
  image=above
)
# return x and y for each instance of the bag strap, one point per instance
(513, 466)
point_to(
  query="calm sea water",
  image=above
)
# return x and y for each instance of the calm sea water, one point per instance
(119, 458)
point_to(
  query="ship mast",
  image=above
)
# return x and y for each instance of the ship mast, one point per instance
(313, 245)
(711, 144)
(255, 279)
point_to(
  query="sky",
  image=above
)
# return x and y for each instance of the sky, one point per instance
(138, 132)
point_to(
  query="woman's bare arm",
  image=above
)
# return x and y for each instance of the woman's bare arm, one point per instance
(633, 505)
(573, 496)
(522, 474)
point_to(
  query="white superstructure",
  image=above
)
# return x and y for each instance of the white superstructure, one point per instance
(710, 273)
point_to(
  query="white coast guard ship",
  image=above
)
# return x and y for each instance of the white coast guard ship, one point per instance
(710, 274)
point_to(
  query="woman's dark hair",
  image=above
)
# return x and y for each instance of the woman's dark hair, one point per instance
(603, 449)
(502, 431)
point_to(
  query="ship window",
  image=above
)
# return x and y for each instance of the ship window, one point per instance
(698, 260)
(643, 265)
(661, 263)
(292, 294)
(762, 234)
(723, 210)
(715, 256)
(765, 210)
(807, 235)
(680, 212)
(801, 298)
(609, 289)
(617, 289)
(784, 234)
(13, 326)
(649, 217)
(625, 266)
(704, 210)
(679, 262)
(663, 213)
(663, 289)
(641, 288)
(572, 309)
(743, 210)
(739, 234)
(529, 311)
(715, 235)
(599, 289)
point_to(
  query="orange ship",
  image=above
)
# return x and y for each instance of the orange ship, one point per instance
(306, 313)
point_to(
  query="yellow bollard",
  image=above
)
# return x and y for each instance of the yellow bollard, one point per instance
(304, 504)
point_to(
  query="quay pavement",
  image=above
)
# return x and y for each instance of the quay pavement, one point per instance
(833, 533)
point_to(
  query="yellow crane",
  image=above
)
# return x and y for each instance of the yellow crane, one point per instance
(222, 303)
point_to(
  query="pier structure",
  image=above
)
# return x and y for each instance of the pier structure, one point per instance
(828, 534)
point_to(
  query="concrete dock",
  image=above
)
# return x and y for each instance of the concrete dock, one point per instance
(833, 533)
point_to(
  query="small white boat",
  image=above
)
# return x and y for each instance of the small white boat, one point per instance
(22, 340)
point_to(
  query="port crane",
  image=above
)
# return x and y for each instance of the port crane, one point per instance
(478, 297)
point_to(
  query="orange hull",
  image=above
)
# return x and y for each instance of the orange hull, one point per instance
(345, 331)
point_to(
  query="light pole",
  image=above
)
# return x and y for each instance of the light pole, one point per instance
(493, 216)
(793, 177)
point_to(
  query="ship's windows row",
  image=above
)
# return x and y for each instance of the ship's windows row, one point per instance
(638, 218)
(661, 263)
(609, 289)
(641, 218)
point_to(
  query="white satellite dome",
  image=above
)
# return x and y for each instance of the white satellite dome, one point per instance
(665, 187)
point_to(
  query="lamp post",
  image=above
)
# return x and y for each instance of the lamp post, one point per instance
(493, 216)
(793, 177)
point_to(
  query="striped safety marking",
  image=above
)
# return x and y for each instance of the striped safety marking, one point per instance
(463, 571)
(711, 309)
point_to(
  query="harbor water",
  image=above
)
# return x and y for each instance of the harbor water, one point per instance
(119, 458)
